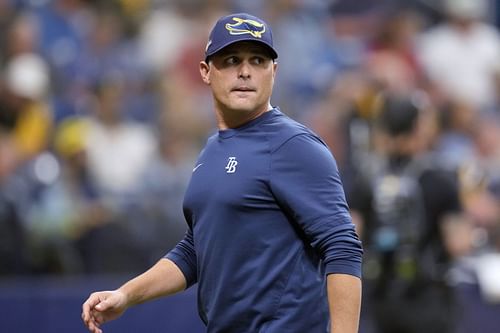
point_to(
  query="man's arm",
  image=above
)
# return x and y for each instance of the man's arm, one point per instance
(163, 279)
(310, 189)
(344, 299)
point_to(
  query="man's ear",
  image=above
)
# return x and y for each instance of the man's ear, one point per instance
(204, 72)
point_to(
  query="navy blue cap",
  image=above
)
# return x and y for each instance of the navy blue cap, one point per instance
(236, 28)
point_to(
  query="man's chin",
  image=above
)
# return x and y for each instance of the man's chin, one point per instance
(243, 107)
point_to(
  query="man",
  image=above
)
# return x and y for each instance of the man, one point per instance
(264, 208)
(402, 199)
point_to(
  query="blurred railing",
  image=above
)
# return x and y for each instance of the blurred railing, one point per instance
(49, 305)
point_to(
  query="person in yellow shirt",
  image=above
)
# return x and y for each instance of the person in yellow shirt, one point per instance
(27, 115)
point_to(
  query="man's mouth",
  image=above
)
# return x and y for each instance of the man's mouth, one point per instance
(243, 89)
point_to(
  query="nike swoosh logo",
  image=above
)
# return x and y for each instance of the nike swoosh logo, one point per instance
(196, 167)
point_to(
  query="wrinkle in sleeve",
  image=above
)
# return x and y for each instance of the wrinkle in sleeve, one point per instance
(184, 256)
(306, 183)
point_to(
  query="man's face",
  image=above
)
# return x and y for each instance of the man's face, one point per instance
(241, 77)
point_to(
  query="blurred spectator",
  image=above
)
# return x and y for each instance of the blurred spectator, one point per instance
(299, 29)
(111, 52)
(7, 15)
(25, 122)
(25, 114)
(409, 193)
(461, 54)
(107, 51)
(25, 89)
(118, 149)
(63, 28)
(487, 151)
(73, 229)
(158, 51)
(68, 208)
(343, 117)
(458, 235)
(457, 122)
(392, 58)
(488, 272)
(185, 100)
(14, 257)
(158, 202)
(22, 36)
(480, 200)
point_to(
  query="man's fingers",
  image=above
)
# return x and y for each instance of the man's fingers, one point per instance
(98, 318)
(93, 299)
(92, 326)
(90, 322)
(101, 307)
(89, 304)
(96, 325)
(90, 311)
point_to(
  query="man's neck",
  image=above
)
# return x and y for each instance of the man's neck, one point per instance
(234, 119)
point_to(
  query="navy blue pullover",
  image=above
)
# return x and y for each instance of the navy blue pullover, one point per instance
(267, 220)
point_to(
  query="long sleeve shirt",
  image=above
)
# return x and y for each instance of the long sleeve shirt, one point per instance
(268, 220)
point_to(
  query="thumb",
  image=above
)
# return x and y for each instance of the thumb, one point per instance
(103, 305)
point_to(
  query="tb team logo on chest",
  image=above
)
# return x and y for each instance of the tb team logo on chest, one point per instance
(231, 165)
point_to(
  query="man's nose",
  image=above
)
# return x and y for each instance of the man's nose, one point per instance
(244, 70)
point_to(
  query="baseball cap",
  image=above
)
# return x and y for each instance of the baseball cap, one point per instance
(236, 28)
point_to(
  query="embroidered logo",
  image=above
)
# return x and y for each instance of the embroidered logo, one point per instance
(231, 165)
(242, 26)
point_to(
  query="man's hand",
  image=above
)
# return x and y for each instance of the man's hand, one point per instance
(163, 279)
(101, 307)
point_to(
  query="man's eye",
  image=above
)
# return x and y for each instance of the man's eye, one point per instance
(258, 60)
(231, 60)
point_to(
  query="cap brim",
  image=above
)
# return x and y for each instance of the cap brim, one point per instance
(272, 51)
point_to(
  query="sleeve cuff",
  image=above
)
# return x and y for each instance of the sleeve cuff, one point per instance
(184, 266)
(347, 267)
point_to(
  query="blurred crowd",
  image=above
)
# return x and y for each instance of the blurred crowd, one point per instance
(102, 115)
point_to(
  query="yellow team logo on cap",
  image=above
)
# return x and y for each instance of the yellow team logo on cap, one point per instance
(242, 26)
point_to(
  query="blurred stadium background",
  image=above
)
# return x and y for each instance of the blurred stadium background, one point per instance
(102, 114)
